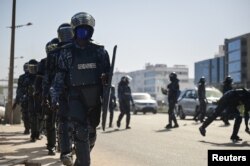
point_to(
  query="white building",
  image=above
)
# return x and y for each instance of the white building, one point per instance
(153, 78)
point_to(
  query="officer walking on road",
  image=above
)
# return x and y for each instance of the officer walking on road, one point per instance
(22, 97)
(202, 100)
(125, 97)
(236, 101)
(34, 106)
(227, 86)
(83, 67)
(173, 92)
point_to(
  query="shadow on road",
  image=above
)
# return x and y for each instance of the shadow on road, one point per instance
(229, 144)
(112, 131)
(23, 153)
(163, 130)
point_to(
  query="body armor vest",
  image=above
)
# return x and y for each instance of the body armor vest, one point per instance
(85, 67)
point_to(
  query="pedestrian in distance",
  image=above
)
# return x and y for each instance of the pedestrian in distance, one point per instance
(173, 92)
(125, 98)
(201, 112)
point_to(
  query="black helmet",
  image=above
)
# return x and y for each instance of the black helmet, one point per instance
(51, 45)
(228, 80)
(33, 66)
(26, 67)
(82, 18)
(202, 80)
(172, 76)
(65, 32)
(126, 79)
(83, 25)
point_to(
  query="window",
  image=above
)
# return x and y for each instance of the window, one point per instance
(234, 45)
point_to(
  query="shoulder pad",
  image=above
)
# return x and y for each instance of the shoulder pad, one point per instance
(68, 45)
(95, 43)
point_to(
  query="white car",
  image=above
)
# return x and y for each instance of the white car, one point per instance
(144, 103)
(188, 102)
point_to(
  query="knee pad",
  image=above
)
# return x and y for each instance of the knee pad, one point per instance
(81, 134)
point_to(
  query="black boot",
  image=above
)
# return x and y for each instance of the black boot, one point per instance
(168, 126)
(202, 131)
(118, 124)
(236, 138)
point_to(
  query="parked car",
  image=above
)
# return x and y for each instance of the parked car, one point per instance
(188, 103)
(144, 103)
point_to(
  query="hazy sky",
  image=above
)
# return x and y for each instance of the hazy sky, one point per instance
(156, 31)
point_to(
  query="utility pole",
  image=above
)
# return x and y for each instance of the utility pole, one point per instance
(9, 113)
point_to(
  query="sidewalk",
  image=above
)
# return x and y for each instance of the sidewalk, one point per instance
(16, 149)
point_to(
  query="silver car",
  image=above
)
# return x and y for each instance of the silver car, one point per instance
(144, 103)
(188, 102)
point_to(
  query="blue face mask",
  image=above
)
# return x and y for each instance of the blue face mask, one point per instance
(82, 33)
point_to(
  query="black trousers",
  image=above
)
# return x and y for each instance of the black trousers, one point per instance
(171, 114)
(219, 109)
(202, 110)
(125, 110)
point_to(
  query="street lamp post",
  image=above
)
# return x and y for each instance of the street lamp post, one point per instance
(9, 113)
(11, 68)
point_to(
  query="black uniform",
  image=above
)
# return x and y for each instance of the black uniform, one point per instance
(173, 91)
(125, 97)
(57, 118)
(227, 86)
(34, 104)
(47, 116)
(202, 100)
(22, 99)
(80, 71)
(232, 101)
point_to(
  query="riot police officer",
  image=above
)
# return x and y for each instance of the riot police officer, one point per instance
(202, 100)
(227, 86)
(34, 106)
(233, 101)
(125, 97)
(83, 66)
(112, 105)
(22, 97)
(65, 35)
(46, 118)
(173, 92)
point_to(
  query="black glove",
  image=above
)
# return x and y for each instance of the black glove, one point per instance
(104, 79)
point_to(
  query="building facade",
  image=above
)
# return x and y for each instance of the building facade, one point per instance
(212, 69)
(237, 59)
(235, 62)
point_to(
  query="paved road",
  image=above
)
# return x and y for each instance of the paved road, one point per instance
(146, 144)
